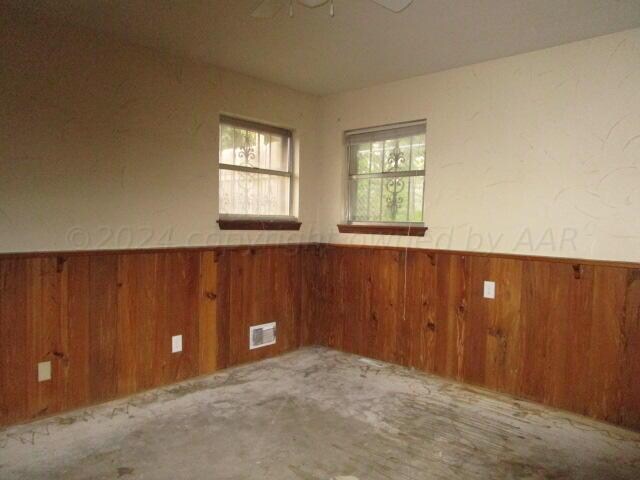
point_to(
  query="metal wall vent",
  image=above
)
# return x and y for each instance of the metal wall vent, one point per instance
(262, 335)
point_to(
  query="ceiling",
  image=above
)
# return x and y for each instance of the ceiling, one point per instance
(364, 44)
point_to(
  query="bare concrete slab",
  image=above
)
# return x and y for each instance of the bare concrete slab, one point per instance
(318, 414)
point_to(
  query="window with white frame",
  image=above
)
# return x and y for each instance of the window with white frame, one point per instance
(255, 169)
(386, 174)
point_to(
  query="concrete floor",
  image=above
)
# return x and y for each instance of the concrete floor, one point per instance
(318, 414)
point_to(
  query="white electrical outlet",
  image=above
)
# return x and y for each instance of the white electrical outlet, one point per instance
(176, 343)
(44, 371)
(489, 289)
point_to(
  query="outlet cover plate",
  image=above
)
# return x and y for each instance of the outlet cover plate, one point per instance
(489, 289)
(176, 343)
(44, 371)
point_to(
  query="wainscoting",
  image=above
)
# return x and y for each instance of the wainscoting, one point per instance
(105, 320)
(565, 333)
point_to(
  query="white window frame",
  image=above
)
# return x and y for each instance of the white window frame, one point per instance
(383, 130)
(235, 122)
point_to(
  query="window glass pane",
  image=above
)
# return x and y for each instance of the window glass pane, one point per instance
(279, 153)
(362, 198)
(360, 161)
(387, 199)
(375, 197)
(226, 144)
(377, 154)
(253, 193)
(416, 199)
(264, 150)
(417, 152)
(252, 148)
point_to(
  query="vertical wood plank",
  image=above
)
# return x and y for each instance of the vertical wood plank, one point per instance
(359, 323)
(242, 312)
(313, 266)
(145, 297)
(37, 334)
(15, 365)
(338, 293)
(576, 313)
(223, 310)
(607, 342)
(44, 319)
(207, 313)
(182, 314)
(160, 325)
(630, 410)
(476, 322)
(421, 323)
(130, 300)
(536, 307)
(103, 311)
(450, 311)
(78, 375)
(387, 300)
(504, 361)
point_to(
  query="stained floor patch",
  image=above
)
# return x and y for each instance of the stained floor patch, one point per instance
(122, 471)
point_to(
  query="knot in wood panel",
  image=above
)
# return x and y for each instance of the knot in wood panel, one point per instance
(577, 271)
(210, 295)
(60, 261)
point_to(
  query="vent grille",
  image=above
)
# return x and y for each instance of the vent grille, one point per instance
(262, 335)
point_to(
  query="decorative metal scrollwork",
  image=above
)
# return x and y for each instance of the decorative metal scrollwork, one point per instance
(395, 186)
(246, 152)
(395, 160)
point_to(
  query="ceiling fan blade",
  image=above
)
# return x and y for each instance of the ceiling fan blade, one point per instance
(268, 8)
(396, 6)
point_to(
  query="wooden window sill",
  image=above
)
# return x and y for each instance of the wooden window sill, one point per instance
(402, 230)
(233, 224)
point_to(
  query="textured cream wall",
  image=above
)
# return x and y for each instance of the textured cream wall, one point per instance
(106, 145)
(522, 152)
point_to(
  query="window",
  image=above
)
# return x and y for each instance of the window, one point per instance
(255, 169)
(386, 174)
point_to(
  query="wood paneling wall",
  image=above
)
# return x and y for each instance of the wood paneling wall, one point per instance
(260, 285)
(561, 333)
(105, 320)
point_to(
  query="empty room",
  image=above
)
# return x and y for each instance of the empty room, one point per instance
(319, 239)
